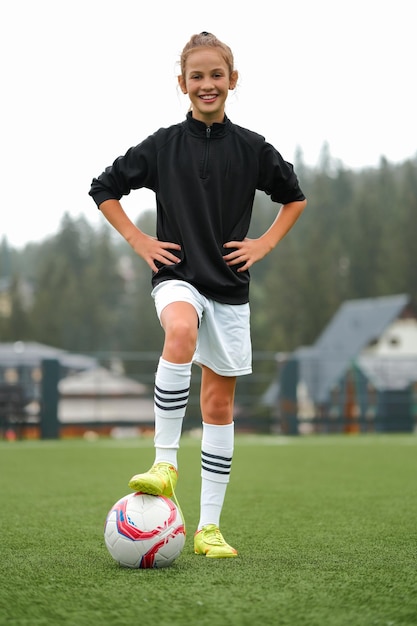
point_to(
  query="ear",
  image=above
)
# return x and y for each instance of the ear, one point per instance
(233, 79)
(182, 84)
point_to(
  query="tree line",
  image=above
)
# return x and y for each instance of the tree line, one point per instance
(83, 289)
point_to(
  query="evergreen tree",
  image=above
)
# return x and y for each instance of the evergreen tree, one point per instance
(5, 259)
(18, 324)
(59, 309)
(104, 296)
(354, 240)
(405, 250)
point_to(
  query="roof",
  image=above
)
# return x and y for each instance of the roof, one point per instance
(100, 382)
(99, 396)
(31, 354)
(357, 322)
(355, 325)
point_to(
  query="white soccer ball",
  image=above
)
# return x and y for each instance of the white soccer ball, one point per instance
(143, 531)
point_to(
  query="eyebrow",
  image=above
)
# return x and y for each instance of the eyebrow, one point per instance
(213, 69)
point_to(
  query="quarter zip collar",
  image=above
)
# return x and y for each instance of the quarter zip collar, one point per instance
(199, 129)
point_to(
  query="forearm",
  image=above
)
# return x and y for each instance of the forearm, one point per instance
(284, 221)
(249, 251)
(147, 247)
(116, 216)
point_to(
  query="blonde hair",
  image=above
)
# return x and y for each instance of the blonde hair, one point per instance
(206, 40)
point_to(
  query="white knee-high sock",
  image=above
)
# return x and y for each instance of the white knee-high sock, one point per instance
(172, 388)
(216, 460)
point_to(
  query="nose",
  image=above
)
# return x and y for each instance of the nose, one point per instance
(207, 84)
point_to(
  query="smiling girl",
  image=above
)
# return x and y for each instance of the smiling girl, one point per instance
(205, 172)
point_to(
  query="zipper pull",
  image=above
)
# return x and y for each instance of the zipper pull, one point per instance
(208, 131)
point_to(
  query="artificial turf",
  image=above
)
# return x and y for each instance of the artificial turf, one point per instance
(326, 529)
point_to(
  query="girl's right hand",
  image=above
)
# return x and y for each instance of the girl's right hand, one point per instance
(147, 247)
(151, 250)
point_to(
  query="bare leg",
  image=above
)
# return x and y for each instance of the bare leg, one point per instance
(180, 323)
(217, 399)
(172, 385)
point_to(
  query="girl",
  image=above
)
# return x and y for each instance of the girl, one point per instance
(205, 172)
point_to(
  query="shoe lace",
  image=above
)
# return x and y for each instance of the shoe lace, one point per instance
(213, 535)
(157, 469)
(166, 469)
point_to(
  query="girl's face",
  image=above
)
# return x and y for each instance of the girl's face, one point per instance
(207, 81)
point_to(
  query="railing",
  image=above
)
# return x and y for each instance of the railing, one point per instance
(273, 399)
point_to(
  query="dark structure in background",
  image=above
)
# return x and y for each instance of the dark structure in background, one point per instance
(12, 409)
(46, 392)
(28, 372)
(359, 376)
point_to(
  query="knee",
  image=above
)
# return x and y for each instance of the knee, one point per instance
(218, 408)
(181, 338)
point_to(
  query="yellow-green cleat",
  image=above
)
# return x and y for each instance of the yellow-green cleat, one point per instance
(210, 541)
(160, 480)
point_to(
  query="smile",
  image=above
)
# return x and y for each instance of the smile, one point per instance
(208, 98)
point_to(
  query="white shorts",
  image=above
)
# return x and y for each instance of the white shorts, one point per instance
(224, 342)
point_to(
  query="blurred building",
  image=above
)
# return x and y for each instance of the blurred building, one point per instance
(99, 400)
(359, 376)
(90, 397)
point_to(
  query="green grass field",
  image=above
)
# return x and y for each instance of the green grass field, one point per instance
(326, 529)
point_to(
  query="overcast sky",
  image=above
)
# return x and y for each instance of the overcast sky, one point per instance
(82, 81)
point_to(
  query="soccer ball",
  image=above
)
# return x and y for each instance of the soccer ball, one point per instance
(143, 531)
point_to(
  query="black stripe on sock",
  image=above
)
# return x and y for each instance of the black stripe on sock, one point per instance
(215, 464)
(178, 400)
(224, 465)
(214, 471)
(163, 399)
(216, 456)
(172, 391)
(170, 408)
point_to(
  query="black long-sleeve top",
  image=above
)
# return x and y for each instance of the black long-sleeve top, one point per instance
(205, 179)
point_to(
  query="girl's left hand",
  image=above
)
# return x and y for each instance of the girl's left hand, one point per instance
(248, 252)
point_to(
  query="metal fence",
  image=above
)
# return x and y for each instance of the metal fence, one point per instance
(273, 399)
